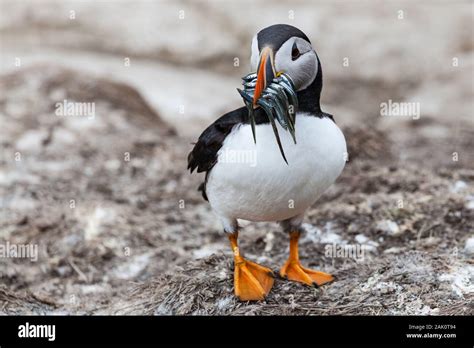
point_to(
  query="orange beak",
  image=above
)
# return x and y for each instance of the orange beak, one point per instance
(265, 73)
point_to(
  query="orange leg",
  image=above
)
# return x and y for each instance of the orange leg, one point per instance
(252, 282)
(293, 270)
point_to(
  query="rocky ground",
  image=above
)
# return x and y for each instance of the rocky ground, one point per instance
(120, 226)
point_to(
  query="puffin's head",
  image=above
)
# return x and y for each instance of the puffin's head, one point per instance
(282, 48)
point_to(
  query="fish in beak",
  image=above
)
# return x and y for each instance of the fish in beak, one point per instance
(274, 93)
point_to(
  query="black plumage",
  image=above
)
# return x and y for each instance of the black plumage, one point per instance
(276, 35)
(204, 154)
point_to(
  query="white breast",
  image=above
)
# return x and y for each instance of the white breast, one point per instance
(253, 182)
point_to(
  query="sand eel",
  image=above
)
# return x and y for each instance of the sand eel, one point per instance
(273, 158)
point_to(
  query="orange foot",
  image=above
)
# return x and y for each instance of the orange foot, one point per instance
(252, 282)
(293, 270)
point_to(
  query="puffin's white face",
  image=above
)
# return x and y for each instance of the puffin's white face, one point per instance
(295, 57)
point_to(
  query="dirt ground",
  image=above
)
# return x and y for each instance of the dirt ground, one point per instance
(119, 223)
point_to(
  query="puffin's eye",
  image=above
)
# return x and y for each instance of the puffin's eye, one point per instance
(295, 53)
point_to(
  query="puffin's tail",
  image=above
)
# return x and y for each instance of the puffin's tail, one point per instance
(202, 188)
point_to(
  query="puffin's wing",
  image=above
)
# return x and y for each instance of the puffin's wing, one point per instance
(204, 154)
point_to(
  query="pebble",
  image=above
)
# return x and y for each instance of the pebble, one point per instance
(389, 227)
(458, 186)
(469, 247)
(361, 239)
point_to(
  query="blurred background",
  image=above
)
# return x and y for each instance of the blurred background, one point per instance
(109, 202)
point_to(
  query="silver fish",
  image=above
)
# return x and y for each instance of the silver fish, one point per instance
(278, 100)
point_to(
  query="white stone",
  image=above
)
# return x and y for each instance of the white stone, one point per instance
(389, 227)
(458, 186)
(469, 247)
(361, 239)
(31, 141)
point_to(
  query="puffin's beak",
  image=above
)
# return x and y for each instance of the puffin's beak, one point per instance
(265, 73)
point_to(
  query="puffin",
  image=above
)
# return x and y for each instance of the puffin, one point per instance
(271, 159)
